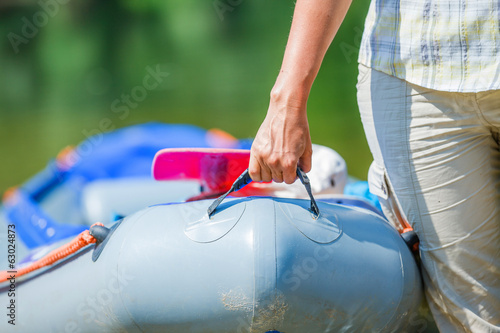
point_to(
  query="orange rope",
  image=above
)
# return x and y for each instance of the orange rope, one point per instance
(9, 193)
(81, 241)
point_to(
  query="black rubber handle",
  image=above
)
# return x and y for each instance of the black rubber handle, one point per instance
(238, 184)
(307, 184)
(244, 179)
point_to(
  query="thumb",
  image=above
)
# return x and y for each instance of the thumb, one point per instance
(305, 161)
(254, 169)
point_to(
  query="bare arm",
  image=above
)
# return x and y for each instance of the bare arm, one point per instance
(283, 139)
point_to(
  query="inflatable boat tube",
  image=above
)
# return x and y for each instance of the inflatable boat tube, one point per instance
(257, 264)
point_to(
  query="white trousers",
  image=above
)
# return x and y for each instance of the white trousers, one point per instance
(436, 155)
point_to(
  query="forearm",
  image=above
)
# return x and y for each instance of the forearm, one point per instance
(283, 140)
(314, 25)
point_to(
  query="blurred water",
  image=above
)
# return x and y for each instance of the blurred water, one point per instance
(90, 67)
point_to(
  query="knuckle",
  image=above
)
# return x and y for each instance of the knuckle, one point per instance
(273, 161)
(289, 164)
(254, 173)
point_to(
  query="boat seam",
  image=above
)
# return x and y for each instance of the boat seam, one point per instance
(117, 270)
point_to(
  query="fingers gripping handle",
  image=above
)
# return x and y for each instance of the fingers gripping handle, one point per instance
(245, 179)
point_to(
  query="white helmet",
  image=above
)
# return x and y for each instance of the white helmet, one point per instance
(329, 171)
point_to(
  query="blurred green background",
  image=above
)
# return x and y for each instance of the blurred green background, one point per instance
(64, 64)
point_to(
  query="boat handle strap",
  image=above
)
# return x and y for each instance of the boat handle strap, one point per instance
(244, 179)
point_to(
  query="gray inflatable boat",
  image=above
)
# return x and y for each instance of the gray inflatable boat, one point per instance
(257, 264)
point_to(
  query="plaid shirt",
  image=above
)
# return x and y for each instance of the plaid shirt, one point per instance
(447, 45)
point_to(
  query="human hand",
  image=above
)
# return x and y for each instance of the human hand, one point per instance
(282, 142)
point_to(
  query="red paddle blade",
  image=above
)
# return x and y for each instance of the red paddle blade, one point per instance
(216, 169)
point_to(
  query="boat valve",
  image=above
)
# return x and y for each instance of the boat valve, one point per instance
(102, 236)
(100, 233)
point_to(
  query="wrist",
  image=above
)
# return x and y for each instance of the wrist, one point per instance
(291, 91)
